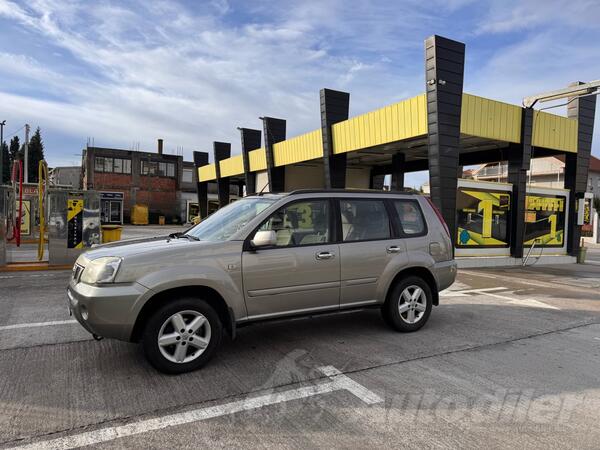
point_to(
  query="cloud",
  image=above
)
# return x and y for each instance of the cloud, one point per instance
(515, 15)
(190, 73)
(161, 70)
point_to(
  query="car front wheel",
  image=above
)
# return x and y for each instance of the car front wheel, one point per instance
(409, 305)
(182, 336)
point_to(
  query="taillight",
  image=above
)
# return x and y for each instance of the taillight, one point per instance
(439, 216)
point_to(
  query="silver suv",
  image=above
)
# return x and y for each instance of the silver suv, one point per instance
(264, 257)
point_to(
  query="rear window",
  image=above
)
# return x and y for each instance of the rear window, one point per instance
(410, 217)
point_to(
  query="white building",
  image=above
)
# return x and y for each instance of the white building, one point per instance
(544, 172)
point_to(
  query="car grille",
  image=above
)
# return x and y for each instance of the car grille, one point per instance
(77, 270)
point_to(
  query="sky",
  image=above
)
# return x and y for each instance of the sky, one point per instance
(124, 73)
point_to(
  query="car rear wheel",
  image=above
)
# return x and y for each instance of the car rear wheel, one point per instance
(182, 336)
(409, 305)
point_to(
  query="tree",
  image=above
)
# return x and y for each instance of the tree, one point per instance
(36, 154)
(13, 151)
(5, 164)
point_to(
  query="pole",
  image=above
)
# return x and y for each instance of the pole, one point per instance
(1, 151)
(26, 154)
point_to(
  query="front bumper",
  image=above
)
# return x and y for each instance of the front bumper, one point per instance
(109, 310)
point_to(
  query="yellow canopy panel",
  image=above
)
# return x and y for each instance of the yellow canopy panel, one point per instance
(232, 166)
(554, 132)
(258, 159)
(490, 119)
(207, 173)
(402, 120)
(300, 148)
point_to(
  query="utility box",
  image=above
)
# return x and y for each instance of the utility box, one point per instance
(111, 233)
(139, 215)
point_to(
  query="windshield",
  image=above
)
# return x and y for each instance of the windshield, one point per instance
(225, 222)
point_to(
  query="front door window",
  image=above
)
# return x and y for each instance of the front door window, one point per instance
(301, 223)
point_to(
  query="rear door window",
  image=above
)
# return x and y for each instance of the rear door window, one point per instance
(364, 220)
(410, 217)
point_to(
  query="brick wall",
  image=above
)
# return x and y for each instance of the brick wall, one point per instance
(160, 194)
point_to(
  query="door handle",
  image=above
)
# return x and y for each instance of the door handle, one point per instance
(393, 249)
(324, 255)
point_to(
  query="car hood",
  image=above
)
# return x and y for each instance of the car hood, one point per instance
(132, 247)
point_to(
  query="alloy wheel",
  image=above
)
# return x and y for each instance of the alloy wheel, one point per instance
(184, 336)
(412, 304)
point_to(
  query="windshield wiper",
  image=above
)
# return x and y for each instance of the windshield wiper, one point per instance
(183, 235)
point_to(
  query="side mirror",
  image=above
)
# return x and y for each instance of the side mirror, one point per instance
(264, 239)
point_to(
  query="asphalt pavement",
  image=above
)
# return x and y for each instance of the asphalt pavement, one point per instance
(593, 255)
(510, 358)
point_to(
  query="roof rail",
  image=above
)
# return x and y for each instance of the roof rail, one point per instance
(352, 191)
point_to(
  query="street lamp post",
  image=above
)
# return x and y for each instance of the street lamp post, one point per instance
(2, 151)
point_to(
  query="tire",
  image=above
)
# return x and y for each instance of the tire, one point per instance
(182, 351)
(418, 310)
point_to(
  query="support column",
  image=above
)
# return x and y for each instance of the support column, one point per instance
(376, 180)
(444, 70)
(222, 150)
(577, 164)
(201, 159)
(240, 187)
(519, 162)
(335, 107)
(250, 141)
(398, 160)
(274, 131)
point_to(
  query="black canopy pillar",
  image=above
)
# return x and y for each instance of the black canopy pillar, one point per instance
(274, 131)
(200, 160)
(444, 70)
(335, 107)
(222, 150)
(577, 164)
(250, 141)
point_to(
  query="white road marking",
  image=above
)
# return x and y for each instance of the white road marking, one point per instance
(36, 324)
(510, 279)
(465, 292)
(337, 382)
(521, 302)
(32, 275)
(490, 292)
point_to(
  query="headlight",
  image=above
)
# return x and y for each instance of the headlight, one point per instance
(101, 270)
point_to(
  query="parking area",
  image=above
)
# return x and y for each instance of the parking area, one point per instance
(510, 357)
